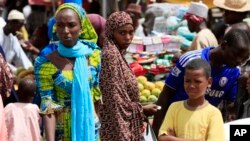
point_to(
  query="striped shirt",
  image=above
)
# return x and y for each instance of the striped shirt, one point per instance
(224, 85)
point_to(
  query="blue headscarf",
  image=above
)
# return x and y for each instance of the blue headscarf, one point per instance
(82, 109)
(51, 33)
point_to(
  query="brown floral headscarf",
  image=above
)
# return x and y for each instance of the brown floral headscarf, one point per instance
(121, 114)
(116, 20)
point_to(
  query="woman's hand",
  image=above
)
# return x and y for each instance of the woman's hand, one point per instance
(27, 46)
(150, 109)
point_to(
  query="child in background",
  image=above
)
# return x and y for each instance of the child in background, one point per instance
(194, 119)
(22, 118)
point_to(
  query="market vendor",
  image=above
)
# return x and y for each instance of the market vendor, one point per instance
(196, 17)
(234, 12)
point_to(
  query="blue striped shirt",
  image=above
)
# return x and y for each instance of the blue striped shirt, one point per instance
(224, 85)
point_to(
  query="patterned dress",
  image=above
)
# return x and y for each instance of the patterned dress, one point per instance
(55, 87)
(6, 78)
(121, 114)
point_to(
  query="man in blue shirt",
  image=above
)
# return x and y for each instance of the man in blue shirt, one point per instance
(224, 59)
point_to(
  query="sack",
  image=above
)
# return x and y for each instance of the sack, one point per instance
(149, 134)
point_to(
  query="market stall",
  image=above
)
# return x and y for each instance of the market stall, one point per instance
(209, 3)
(150, 57)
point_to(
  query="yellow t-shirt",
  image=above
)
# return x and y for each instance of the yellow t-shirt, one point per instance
(204, 122)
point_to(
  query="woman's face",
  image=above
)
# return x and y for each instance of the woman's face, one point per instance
(68, 27)
(124, 35)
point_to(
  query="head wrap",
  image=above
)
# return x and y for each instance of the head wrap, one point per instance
(88, 32)
(115, 20)
(197, 12)
(15, 15)
(82, 109)
(98, 22)
(51, 33)
(113, 66)
(194, 18)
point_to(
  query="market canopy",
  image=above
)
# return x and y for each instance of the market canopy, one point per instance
(209, 3)
(45, 2)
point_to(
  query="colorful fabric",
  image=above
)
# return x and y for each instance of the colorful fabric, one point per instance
(51, 33)
(194, 18)
(6, 78)
(48, 49)
(88, 32)
(203, 123)
(224, 85)
(82, 111)
(57, 87)
(121, 114)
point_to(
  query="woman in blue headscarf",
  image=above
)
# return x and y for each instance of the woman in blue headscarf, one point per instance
(67, 78)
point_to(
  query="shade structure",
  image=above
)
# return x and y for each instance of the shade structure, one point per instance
(45, 2)
(74, 1)
(209, 3)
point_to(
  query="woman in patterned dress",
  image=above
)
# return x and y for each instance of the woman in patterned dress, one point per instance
(6, 81)
(68, 77)
(121, 114)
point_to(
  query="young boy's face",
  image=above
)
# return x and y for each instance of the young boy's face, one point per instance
(196, 83)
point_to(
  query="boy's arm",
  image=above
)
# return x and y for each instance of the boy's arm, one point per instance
(173, 138)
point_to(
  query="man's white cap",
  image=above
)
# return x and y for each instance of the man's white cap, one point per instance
(198, 9)
(15, 15)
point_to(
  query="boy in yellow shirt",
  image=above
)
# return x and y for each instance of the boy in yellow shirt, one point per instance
(194, 119)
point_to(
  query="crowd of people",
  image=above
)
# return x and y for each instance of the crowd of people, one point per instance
(82, 88)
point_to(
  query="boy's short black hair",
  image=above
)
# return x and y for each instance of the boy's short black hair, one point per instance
(198, 63)
(237, 38)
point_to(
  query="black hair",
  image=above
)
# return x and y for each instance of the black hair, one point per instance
(26, 88)
(197, 64)
(236, 38)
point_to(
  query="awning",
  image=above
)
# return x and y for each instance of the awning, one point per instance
(45, 2)
(209, 3)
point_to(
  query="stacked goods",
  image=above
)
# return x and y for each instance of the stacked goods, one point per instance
(149, 91)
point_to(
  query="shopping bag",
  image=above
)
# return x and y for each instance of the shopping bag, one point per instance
(149, 134)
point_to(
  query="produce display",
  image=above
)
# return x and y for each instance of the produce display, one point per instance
(149, 91)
